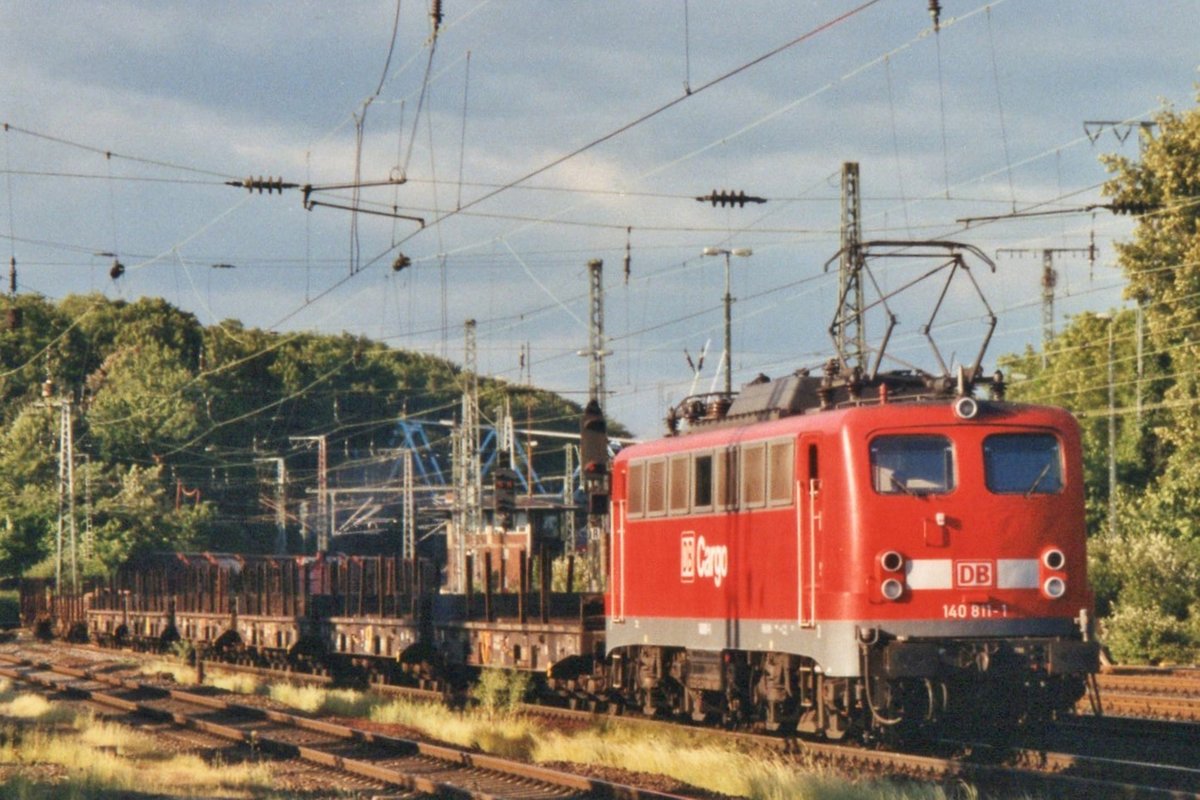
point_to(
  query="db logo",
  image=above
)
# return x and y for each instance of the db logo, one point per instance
(687, 557)
(973, 573)
(698, 558)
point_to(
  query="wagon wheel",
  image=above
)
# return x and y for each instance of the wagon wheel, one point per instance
(226, 644)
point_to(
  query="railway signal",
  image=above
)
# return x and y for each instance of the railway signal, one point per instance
(504, 494)
(593, 453)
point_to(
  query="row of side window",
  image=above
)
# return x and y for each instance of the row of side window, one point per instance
(752, 475)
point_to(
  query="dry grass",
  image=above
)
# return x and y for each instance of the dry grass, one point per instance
(508, 735)
(705, 762)
(497, 726)
(698, 759)
(318, 700)
(181, 673)
(58, 753)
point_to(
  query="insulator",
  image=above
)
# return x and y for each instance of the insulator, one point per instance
(935, 13)
(730, 198)
(628, 254)
(1134, 207)
(268, 184)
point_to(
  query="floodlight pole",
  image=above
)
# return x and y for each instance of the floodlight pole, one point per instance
(727, 356)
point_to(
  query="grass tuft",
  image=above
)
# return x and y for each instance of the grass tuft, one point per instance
(500, 693)
(181, 673)
(508, 736)
(85, 751)
(318, 700)
(703, 762)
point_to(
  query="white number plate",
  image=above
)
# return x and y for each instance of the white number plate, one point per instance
(974, 611)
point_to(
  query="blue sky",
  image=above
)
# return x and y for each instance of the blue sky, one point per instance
(981, 117)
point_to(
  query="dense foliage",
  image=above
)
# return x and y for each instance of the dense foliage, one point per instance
(1145, 563)
(172, 422)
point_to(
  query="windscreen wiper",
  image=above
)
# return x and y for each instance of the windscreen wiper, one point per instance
(1037, 481)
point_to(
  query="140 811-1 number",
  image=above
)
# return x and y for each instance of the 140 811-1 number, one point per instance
(974, 611)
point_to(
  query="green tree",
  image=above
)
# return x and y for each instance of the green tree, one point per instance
(145, 402)
(1162, 266)
(1147, 571)
(138, 518)
(28, 488)
(162, 403)
(1145, 568)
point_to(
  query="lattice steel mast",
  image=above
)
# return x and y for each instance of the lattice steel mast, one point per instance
(850, 334)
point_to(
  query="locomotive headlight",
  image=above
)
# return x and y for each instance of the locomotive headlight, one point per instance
(892, 589)
(1054, 587)
(966, 408)
(891, 561)
(1053, 559)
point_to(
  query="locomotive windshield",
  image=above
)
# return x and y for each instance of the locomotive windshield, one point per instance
(1022, 463)
(912, 464)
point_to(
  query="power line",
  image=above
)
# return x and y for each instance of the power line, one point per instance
(659, 110)
(110, 154)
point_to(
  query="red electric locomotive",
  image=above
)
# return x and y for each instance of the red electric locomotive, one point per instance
(853, 552)
(883, 562)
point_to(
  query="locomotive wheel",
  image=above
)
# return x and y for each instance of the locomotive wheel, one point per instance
(226, 646)
(77, 633)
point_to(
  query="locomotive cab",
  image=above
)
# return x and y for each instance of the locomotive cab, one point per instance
(973, 570)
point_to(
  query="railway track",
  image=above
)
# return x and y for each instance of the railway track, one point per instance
(1155, 694)
(1102, 753)
(1123, 757)
(403, 764)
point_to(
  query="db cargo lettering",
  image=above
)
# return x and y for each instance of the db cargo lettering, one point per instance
(712, 561)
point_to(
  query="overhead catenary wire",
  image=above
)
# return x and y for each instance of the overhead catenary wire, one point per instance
(111, 154)
(694, 153)
(12, 217)
(667, 106)
(904, 204)
(1000, 107)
